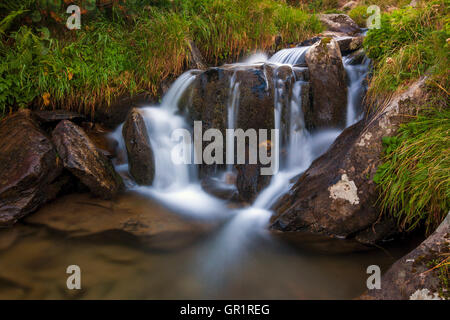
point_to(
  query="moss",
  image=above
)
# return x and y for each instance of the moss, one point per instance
(325, 41)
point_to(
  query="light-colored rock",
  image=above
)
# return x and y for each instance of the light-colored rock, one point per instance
(340, 23)
(349, 5)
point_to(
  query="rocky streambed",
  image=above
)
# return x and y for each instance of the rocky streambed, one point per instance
(72, 190)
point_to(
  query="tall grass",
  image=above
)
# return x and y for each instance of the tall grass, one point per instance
(410, 43)
(414, 179)
(132, 47)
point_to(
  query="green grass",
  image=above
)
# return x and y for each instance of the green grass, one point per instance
(414, 179)
(129, 47)
(411, 42)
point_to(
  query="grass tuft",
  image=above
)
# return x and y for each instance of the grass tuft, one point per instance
(414, 179)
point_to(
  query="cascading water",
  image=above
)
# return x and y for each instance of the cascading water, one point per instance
(233, 103)
(356, 74)
(290, 56)
(177, 186)
(174, 185)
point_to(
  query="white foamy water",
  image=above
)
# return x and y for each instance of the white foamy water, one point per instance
(290, 56)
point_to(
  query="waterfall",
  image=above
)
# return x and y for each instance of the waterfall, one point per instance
(174, 185)
(232, 110)
(355, 91)
(177, 186)
(290, 56)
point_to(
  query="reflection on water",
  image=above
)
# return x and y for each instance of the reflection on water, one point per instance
(34, 258)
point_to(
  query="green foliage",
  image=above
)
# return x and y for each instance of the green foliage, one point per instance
(359, 15)
(410, 43)
(125, 47)
(415, 177)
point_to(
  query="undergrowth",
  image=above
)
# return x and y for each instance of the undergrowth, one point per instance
(414, 179)
(126, 47)
(411, 42)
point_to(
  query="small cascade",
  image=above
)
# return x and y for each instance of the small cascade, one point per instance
(291, 56)
(232, 110)
(175, 185)
(355, 91)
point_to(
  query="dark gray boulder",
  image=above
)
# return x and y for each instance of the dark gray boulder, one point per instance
(141, 160)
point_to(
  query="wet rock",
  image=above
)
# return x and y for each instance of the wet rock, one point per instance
(83, 160)
(29, 167)
(349, 44)
(250, 181)
(141, 160)
(52, 117)
(328, 83)
(381, 231)
(357, 57)
(196, 60)
(339, 23)
(114, 114)
(412, 277)
(130, 217)
(210, 100)
(99, 136)
(336, 195)
(309, 42)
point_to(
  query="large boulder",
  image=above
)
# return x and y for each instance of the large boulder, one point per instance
(83, 160)
(141, 160)
(417, 275)
(339, 23)
(29, 166)
(254, 89)
(328, 83)
(337, 195)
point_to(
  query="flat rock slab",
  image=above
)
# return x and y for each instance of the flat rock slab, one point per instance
(80, 215)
